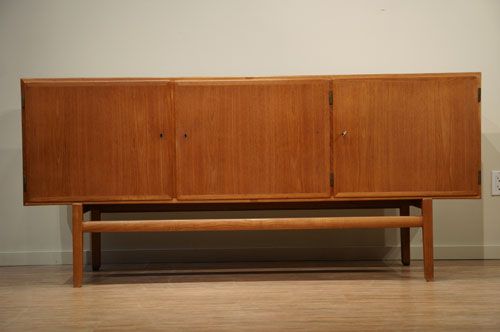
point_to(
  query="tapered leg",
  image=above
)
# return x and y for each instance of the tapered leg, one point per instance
(77, 245)
(427, 240)
(405, 237)
(95, 215)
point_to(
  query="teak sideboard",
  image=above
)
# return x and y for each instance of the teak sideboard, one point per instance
(311, 142)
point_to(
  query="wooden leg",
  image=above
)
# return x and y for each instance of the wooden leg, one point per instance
(95, 215)
(405, 237)
(427, 240)
(77, 245)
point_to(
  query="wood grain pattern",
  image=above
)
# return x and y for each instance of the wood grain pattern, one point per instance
(260, 140)
(98, 141)
(77, 220)
(406, 137)
(183, 225)
(255, 139)
(260, 296)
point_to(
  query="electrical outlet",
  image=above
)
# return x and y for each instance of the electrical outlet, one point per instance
(495, 183)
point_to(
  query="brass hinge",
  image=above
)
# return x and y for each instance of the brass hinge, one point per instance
(479, 177)
(478, 95)
(25, 183)
(331, 179)
(330, 97)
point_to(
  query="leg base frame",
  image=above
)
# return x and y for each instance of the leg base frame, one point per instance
(404, 222)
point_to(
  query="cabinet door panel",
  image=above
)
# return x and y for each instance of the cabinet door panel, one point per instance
(97, 141)
(252, 139)
(406, 136)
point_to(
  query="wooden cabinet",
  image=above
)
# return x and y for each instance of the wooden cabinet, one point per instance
(336, 137)
(378, 141)
(252, 139)
(104, 140)
(405, 136)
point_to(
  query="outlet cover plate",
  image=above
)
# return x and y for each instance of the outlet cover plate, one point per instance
(495, 183)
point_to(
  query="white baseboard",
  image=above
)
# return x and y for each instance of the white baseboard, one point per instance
(249, 254)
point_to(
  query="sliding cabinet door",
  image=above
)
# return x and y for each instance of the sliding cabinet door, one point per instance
(407, 136)
(97, 140)
(252, 139)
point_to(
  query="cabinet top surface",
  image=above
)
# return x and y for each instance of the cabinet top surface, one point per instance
(156, 80)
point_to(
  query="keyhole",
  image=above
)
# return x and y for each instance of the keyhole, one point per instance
(161, 135)
(185, 135)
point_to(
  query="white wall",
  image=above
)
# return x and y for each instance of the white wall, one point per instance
(248, 38)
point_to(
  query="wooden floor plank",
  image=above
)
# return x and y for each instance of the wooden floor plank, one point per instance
(297, 296)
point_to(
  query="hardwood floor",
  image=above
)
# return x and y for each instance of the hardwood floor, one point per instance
(298, 296)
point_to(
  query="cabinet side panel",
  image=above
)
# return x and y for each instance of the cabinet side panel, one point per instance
(256, 139)
(91, 141)
(407, 137)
